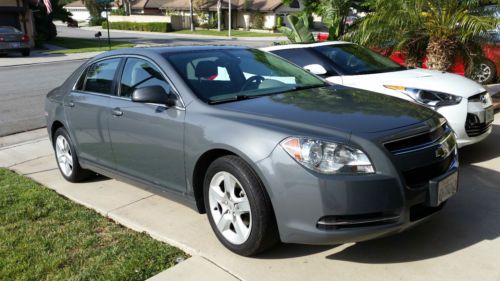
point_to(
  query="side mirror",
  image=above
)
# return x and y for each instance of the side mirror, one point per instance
(154, 94)
(317, 69)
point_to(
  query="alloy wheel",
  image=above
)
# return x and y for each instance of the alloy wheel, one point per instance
(64, 155)
(230, 208)
(482, 73)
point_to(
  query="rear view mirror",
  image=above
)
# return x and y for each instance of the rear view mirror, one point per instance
(154, 94)
(317, 69)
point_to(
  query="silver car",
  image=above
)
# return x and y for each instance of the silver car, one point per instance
(269, 151)
(13, 40)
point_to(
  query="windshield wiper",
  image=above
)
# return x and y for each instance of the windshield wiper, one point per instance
(305, 87)
(233, 98)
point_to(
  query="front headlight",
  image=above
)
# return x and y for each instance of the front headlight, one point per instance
(426, 97)
(328, 157)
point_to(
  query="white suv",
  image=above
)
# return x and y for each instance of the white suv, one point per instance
(466, 104)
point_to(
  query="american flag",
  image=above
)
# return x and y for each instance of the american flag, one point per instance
(48, 6)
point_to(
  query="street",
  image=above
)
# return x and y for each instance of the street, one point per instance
(159, 38)
(23, 89)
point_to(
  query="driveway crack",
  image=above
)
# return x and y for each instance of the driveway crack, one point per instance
(128, 204)
(26, 161)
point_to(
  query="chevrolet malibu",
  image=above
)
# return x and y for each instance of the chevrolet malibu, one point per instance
(269, 151)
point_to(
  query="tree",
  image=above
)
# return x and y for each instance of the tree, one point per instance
(333, 12)
(438, 28)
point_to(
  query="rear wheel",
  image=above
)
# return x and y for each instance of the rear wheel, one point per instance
(67, 161)
(485, 72)
(238, 207)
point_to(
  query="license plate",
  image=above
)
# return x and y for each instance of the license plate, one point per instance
(489, 115)
(15, 45)
(447, 188)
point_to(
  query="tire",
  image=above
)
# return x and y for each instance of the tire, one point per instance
(485, 72)
(25, 53)
(243, 212)
(66, 158)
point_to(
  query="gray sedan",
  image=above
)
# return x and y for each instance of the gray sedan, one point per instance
(269, 151)
(14, 40)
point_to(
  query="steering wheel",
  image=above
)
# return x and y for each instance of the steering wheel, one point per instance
(257, 79)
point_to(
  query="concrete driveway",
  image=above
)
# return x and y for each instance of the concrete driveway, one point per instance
(460, 243)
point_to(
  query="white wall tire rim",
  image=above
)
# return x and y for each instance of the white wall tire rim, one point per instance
(483, 73)
(230, 208)
(64, 156)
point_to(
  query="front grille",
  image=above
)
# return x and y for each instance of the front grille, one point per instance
(417, 141)
(420, 177)
(474, 127)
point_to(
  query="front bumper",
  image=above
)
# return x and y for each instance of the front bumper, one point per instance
(370, 206)
(468, 120)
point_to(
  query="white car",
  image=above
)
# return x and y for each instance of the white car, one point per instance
(464, 103)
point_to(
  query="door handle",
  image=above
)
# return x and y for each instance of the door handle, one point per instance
(70, 104)
(117, 112)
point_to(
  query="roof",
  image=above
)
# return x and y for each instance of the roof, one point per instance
(183, 5)
(302, 46)
(80, 4)
(165, 50)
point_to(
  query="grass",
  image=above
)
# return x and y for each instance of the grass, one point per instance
(79, 45)
(234, 33)
(44, 236)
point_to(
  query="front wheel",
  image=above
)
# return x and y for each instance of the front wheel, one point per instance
(484, 72)
(238, 207)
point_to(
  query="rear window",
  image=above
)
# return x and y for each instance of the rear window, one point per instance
(8, 29)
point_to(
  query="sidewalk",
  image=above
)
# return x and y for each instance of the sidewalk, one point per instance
(39, 57)
(460, 243)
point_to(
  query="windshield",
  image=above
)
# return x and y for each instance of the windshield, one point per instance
(351, 59)
(234, 74)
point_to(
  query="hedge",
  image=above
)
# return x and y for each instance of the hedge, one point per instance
(139, 26)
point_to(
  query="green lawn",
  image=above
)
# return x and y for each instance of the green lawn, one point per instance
(44, 236)
(78, 45)
(235, 33)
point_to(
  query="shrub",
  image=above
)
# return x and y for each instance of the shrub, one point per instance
(97, 21)
(139, 26)
(258, 21)
(119, 12)
(279, 21)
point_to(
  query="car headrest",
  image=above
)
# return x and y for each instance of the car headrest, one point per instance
(206, 69)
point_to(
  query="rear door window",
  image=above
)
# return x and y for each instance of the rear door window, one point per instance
(100, 76)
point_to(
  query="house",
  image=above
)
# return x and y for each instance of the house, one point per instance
(79, 11)
(16, 13)
(267, 11)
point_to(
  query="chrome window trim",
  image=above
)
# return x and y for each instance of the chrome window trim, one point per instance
(175, 91)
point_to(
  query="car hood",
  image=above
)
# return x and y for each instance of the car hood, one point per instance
(421, 79)
(335, 107)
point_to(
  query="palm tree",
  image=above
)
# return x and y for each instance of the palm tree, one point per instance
(438, 28)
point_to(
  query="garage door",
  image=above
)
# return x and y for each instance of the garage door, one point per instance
(10, 19)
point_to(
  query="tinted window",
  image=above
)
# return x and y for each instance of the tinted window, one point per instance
(138, 74)
(216, 75)
(303, 57)
(351, 59)
(100, 76)
(8, 29)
